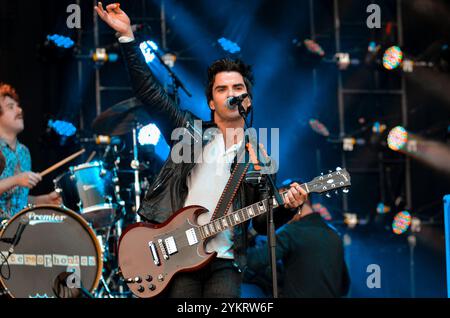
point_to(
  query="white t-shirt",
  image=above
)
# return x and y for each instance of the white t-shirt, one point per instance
(206, 182)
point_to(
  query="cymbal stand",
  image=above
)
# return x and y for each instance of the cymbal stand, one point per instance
(120, 202)
(119, 220)
(135, 167)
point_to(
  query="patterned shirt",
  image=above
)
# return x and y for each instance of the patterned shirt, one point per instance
(15, 199)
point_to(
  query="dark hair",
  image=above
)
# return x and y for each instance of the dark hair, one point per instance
(7, 90)
(228, 65)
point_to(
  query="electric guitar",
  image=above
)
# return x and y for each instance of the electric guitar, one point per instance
(151, 254)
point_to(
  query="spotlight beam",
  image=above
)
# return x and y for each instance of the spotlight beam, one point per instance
(430, 152)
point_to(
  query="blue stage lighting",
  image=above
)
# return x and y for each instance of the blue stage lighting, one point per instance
(62, 128)
(61, 41)
(149, 135)
(113, 57)
(146, 49)
(229, 46)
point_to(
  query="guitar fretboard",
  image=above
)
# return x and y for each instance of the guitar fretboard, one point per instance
(231, 219)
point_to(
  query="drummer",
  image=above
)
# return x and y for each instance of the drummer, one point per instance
(16, 177)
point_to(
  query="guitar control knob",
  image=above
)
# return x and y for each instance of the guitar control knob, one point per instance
(141, 289)
(149, 278)
(160, 277)
(137, 279)
(129, 280)
(152, 287)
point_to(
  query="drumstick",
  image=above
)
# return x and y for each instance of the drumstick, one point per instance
(62, 162)
(91, 156)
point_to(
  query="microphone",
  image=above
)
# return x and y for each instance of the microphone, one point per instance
(233, 101)
(24, 220)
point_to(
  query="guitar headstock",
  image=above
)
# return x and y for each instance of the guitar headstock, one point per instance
(337, 179)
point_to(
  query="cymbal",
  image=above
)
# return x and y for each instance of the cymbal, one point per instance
(121, 118)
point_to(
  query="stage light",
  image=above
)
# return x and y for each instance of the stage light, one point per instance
(342, 60)
(373, 47)
(408, 66)
(378, 128)
(307, 53)
(416, 225)
(229, 46)
(348, 143)
(147, 49)
(350, 219)
(314, 47)
(149, 135)
(60, 133)
(318, 127)
(372, 53)
(382, 208)
(100, 56)
(61, 41)
(401, 222)
(323, 211)
(392, 58)
(432, 153)
(56, 47)
(397, 138)
(169, 59)
(62, 128)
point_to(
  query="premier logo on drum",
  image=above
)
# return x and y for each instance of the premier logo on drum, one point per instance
(45, 218)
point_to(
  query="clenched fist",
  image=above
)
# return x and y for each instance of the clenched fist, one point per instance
(27, 179)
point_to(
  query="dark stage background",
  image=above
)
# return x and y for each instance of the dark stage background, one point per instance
(289, 91)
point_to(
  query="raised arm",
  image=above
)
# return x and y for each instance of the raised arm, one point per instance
(148, 90)
(116, 18)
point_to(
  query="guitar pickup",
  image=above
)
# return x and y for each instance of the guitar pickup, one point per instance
(170, 245)
(191, 237)
(155, 256)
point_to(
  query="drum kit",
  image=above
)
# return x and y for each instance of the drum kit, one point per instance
(71, 250)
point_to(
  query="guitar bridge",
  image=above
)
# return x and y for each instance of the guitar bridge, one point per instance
(154, 253)
(163, 249)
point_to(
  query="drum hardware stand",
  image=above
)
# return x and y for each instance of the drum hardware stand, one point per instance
(85, 292)
(118, 220)
(105, 287)
(4, 292)
(107, 259)
(117, 227)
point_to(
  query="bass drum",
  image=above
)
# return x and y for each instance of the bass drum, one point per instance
(57, 255)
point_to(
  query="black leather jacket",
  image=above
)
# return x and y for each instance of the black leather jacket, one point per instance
(169, 190)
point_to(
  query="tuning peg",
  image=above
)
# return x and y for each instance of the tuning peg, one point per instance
(345, 190)
(338, 169)
(336, 192)
(328, 195)
(329, 171)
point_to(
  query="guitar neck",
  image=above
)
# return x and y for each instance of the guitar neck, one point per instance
(240, 216)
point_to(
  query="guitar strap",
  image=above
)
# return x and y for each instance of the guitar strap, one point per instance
(239, 171)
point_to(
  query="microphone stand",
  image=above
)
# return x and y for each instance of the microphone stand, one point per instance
(175, 79)
(268, 189)
(243, 114)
